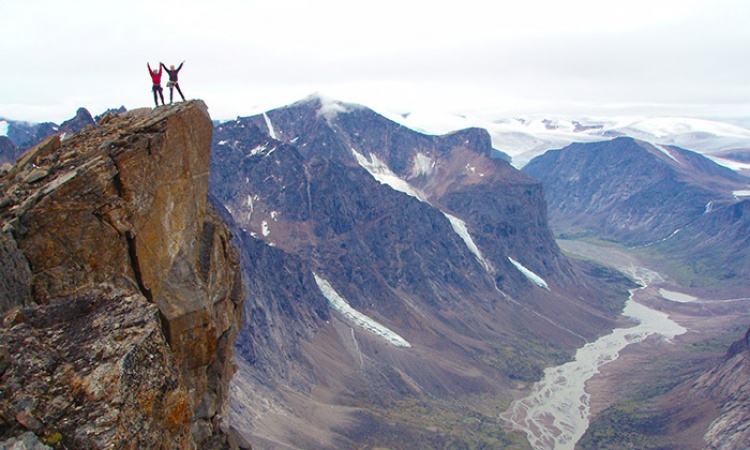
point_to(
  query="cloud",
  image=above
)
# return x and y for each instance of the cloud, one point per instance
(242, 56)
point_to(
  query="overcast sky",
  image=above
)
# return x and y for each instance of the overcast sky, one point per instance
(508, 58)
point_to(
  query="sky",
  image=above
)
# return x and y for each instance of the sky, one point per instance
(686, 58)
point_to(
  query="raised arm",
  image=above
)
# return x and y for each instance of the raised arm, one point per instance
(180, 66)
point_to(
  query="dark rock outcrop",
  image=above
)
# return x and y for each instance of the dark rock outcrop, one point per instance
(121, 289)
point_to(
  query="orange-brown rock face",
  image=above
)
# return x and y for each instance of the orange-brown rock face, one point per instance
(119, 276)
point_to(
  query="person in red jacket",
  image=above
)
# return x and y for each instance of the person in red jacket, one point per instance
(172, 83)
(156, 80)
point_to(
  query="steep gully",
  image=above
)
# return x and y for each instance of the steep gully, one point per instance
(555, 414)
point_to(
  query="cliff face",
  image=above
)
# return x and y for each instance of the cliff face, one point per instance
(121, 290)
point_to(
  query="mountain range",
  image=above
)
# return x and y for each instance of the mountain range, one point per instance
(390, 271)
(402, 285)
(523, 138)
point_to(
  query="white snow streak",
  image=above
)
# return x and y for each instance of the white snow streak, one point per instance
(256, 150)
(381, 172)
(422, 165)
(250, 207)
(3, 128)
(342, 306)
(271, 131)
(728, 163)
(536, 279)
(266, 231)
(738, 194)
(666, 151)
(459, 226)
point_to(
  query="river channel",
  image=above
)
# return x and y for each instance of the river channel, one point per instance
(555, 414)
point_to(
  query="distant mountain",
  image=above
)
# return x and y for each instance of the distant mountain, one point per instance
(691, 211)
(525, 138)
(81, 120)
(630, 190)
(8, 151)
(17, 136)
(25, 135)
(389, 271)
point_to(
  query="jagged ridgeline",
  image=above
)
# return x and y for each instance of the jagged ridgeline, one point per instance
(120, 289)
(399, 285)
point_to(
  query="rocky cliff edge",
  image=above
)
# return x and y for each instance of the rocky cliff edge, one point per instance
(120, 290)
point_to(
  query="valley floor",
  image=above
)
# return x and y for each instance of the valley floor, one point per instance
(641, 398)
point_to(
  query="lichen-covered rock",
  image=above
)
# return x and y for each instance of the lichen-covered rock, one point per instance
(124, 289)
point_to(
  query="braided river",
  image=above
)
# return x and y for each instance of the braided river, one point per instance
(555, 414)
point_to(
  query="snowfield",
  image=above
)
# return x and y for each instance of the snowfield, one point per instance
(342, 306)
(536, 279)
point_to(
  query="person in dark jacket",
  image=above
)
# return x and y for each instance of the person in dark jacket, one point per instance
(156, 80)
(172, 83)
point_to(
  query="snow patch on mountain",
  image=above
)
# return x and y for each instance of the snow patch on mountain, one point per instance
(536, 279)
(361, 320)
(729, 164)
(271, 131)
(256, 150)
(422, 165)
(3, 128)
(666, 151)
(459, 226)
(381, 172)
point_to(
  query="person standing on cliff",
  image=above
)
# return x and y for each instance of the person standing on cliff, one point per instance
(172, 83)
(156, 80)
